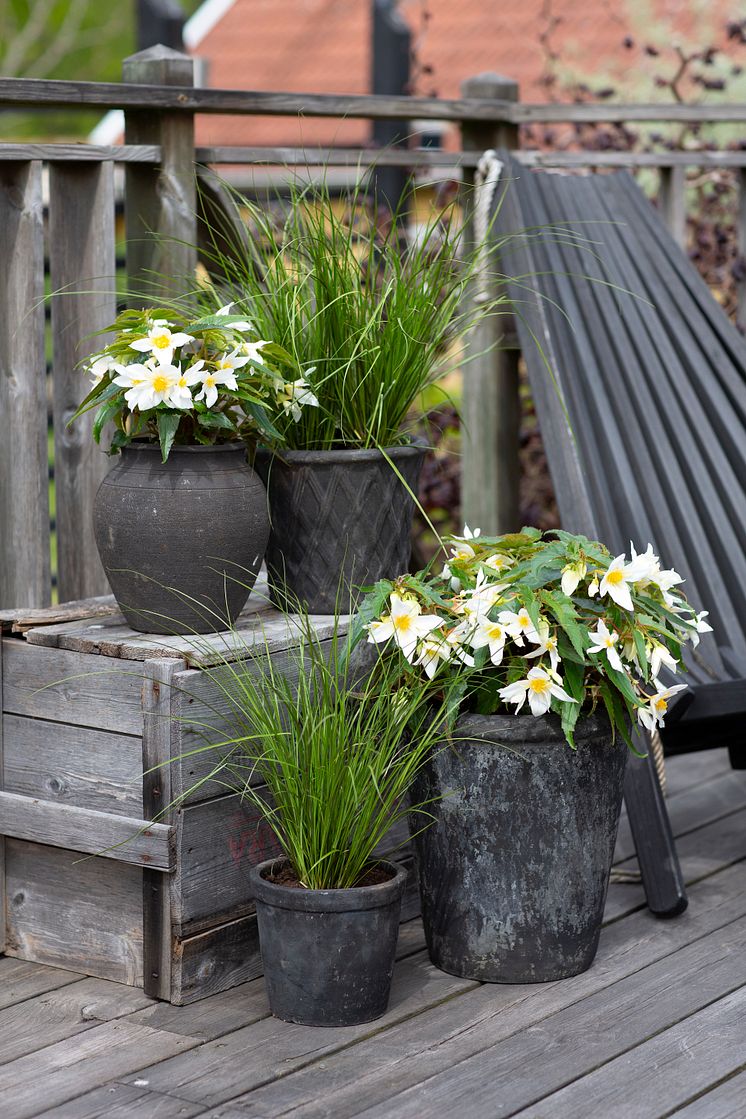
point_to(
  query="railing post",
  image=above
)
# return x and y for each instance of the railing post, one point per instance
(161, 203)
(490, 436)
(24, 478)
(672, 201)
(740, 176)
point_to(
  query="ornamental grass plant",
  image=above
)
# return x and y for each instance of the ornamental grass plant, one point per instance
(549, 621)
(337, 285)
(324, 752)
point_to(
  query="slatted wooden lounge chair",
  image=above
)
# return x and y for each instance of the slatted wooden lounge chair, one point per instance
(644, 423)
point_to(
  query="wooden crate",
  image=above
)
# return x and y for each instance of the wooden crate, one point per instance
(89, 707)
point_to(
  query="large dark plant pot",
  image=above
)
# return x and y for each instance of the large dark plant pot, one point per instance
(340, 520)
(181, 541)
(328, 955)
(514, 871)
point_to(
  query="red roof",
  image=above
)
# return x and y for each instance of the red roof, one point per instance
(323, 46)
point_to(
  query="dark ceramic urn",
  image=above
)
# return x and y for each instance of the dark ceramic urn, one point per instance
(514, 870)
(340, 520)
(181, 541)
(328, 955)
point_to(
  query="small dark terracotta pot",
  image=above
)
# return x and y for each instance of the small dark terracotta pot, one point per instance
(328, 955)
(181, 541)
(339, 520)
(515, 869)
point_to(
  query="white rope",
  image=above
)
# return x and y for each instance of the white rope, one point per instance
(486, 178)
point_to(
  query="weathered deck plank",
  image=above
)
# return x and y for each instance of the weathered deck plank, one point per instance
(654, 1026)
(667, 1070)
(392, 1061)
(69, 1010)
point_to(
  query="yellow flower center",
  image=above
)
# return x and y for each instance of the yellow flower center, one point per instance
(224, 365)
(182, 382)
(608, 642)
(403, 623)
(160, 383)
(615, 576)
(494, 632)
(462, 554)
(523, 618)
(162, 341)
(539, 685)
(661, 705)
(209, 382)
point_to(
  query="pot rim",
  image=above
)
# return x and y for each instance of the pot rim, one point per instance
(528, 730)
(417, 446)
(328, 901)
(198, 448)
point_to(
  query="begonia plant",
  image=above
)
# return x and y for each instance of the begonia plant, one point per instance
(549, 621)
(185, 381)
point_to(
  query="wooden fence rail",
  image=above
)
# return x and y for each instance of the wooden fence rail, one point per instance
(158, 158)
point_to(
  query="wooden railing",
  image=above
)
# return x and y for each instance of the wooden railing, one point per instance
(158, 158)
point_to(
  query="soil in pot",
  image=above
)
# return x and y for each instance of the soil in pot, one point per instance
(515, 869)
(339, 520)
(328, 955)
(182, 541)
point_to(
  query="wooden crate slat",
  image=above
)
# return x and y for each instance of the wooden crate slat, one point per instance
(23, 618)
(82, 272)
(24, 503)
(121, 838)
(73, 765)
(72, 688)
(80, 915)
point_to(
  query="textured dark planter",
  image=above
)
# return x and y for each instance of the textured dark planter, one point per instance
(197, 524)
(340, 520)
(514, 872)
(328, 955)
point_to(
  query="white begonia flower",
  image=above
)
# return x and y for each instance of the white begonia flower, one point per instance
(630, 652)
(461, 552)
(547, 644)
(701, 626)
(660, 656)
(538, 687)
(490, 634)
(211, 379)
(431, 654)
(645, 569)
(253, 351)
(572, 573)
(148, 385)
(294, 395)
(482, 598)
(240, 326)
(232, 361)
(519, 626)
(652, 715)
(498, 562)
(615, 583)
(181, 394)
(593, 587)
(161, 342)
(405, 622)
(606, 640)
(101, 367)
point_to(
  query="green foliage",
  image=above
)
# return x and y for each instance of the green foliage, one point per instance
(336, 287)
(551, 621)
(180, 380)
(326, 761)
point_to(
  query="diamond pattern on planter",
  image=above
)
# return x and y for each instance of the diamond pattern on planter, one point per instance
(340, 519)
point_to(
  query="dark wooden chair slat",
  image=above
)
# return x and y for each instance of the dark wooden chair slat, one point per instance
(638, 382)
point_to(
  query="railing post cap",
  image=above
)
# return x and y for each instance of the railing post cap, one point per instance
(157, 53)
(490, 86)
(159, 65)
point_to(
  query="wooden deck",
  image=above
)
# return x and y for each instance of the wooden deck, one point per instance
(656, 1028)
